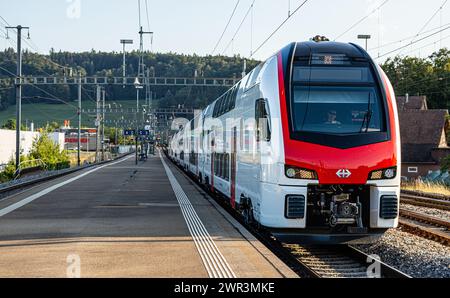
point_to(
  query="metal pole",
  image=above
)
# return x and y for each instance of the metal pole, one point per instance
(103, 124)
(18, 95)
(123, 66)
(137, 126)
(79, 121)
(18, 91)
(97, 122)
(116, 142)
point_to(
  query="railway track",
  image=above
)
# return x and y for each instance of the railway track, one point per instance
(424, 225)
(430, 202)
(343, 261)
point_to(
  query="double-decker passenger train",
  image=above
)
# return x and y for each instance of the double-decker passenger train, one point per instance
(307, 145)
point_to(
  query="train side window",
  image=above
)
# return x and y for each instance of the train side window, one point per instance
(226, 102)
(221, 165)
(220, 109)
(219, 105)
(233, 98)
(226, 167)
(214, 113)
(241, 134)
(253, 76)
(262, 118)
(216, 164)
(223, 104)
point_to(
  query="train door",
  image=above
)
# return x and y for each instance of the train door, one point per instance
(233, 168)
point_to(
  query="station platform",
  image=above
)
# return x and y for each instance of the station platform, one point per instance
(127, 220)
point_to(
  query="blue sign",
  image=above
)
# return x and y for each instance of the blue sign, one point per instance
(144, 132)
(129, 132)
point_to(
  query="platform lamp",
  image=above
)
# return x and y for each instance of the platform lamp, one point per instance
(364, 36)
(124, 42)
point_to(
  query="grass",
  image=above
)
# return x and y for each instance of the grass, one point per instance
(427, 187)
(84, 156)
(41, 113)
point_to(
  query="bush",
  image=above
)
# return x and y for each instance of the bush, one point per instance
(8, 173)
(47, 151)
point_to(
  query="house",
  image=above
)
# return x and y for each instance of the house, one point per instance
(412, 103)
(423, 136)
(8, 143)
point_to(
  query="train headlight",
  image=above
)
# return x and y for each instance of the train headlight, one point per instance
(300, 173)
(388, 173)
(290, 172)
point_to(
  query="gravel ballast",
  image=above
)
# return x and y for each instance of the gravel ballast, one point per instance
(411, 254)
(442, 214)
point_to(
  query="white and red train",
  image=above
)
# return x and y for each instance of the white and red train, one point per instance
(307, 145)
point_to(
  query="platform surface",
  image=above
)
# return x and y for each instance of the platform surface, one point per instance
(123, 220)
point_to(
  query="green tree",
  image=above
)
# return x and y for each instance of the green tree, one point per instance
(52, 126)
(428, 76)
(8, 172)
(48, 151)
(11, 125)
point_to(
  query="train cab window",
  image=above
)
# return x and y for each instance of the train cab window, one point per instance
(334, 98)
(262, 118)
(336, 109)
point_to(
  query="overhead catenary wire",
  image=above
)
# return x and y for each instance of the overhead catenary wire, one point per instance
(278, 28)
(429, 20)
(413, 42)
(148, 24)
(429, 44)
(32, 45)
(407, 38)
(432, 17)
(139, 11)
(239, 27)
(362, 19)
(42, 90)
(226, 27)
(441, 77)
(52, 117)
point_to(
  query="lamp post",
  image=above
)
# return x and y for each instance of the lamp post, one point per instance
(124, 42)
(364, 36)
(138, 86)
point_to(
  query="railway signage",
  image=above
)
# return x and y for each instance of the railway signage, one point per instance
(145, 138)
(129, 132)
(143, 132)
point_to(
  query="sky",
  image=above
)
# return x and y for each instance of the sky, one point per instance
(195, 26)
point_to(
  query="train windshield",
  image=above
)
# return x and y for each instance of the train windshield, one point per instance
(335, 100)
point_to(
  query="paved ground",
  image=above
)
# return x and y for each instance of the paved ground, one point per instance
(121, 220)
